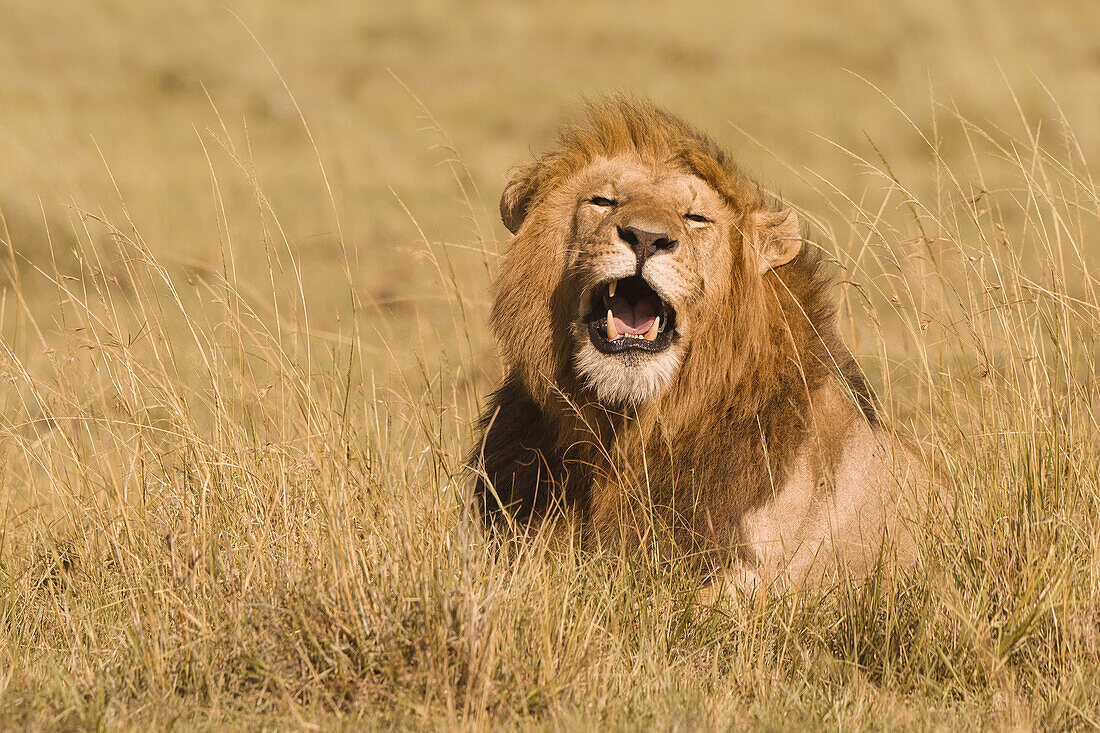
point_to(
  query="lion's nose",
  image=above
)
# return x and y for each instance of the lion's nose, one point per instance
(646, 243)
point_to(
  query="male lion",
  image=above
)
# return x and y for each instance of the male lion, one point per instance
(674, 373)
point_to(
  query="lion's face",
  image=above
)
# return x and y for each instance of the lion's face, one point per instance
(649, 249)
(624, 265)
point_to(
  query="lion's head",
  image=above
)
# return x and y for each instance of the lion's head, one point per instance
(635, 242)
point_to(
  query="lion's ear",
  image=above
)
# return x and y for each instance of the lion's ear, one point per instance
(517, 196)
(776, 238)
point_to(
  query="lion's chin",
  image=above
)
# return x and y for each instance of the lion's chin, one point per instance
(629, 378)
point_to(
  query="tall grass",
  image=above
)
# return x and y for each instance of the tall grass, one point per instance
(218, 507)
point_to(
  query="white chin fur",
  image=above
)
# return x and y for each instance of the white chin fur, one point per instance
(626, 379)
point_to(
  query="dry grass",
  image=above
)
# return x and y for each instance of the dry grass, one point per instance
(237, 389)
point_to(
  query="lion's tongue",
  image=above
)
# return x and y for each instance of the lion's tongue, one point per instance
(634, 318)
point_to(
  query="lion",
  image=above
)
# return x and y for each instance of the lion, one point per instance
(674, 377)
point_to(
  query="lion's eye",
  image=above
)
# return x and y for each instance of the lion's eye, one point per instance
(602, 201)
(697, 218)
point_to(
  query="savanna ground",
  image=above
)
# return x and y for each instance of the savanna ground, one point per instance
(242, 340)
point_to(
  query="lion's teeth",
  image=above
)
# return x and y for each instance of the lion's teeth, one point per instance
(612, 333)
(611, 288)
(651, 334)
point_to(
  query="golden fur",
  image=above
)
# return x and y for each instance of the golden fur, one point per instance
(752, 442)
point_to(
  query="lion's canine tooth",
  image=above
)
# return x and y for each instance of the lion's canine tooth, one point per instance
(651, 334)
(611, 288)
(612, 333)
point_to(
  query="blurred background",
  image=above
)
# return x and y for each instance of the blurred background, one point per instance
(340, 162)
(147, 97)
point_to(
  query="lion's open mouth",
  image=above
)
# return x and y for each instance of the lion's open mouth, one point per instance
(628, 314)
